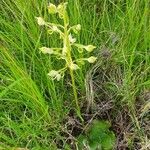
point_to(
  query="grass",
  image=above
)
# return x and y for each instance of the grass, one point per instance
(33, 108)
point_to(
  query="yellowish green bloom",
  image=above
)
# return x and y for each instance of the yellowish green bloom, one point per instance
(64, 51)
(52, 9)
(46, 50)
(40, 21)
(91, 59)
(55, 29)
(68, 41)
(61, 9)
(55, 75)
(78, 27)
(71, 39)
(89, 48)
(73, 66)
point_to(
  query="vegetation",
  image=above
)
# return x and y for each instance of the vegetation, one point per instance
(37, 112)
(65, 53)
(98, 137)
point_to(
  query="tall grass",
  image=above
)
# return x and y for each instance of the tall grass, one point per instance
(33, 107)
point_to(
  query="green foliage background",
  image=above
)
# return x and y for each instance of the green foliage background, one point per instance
(33, 107)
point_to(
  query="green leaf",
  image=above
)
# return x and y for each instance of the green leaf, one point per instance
(99, 136)
(82, 140)
(108, 141)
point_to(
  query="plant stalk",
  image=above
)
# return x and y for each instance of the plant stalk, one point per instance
(75, 95)
(69, 62)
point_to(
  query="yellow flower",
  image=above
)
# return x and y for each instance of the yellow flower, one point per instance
(40, 21)
(53, 29)
(64, 50)
(55, 75)
(46, 50)
(78, 27)
(61, 8)
(71, 39)
(73, 66)
(89, 48)
(52, 9)
(91, 59)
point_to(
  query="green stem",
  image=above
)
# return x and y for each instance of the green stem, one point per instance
(75, 95)
(69, 62)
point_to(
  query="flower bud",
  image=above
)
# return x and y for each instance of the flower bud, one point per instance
(61, 9)
(52, 9)
(76, 28)
(40, 21)
(91, 59)
(89, 48)
(46, 50)
(64, 51)
(73, 66)
(55, 75)
(71, 39)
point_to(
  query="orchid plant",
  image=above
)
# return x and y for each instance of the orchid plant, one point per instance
(65, 52)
